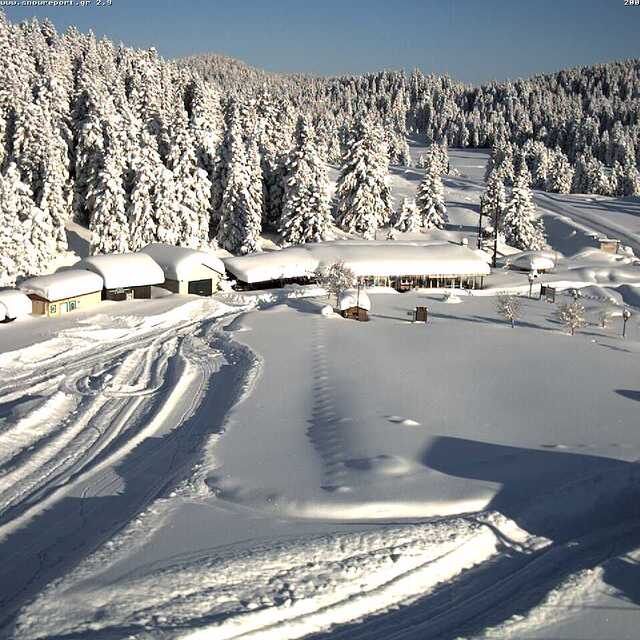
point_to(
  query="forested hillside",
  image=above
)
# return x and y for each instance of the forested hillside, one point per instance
(207, 150)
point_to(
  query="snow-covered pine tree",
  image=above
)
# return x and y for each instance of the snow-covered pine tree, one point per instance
(193, 190)
(522, 229)
(430, 197)
(364, 199)
(12, 241)
(28, 234)
(306, 215)
(494, 199)
(560, 174)
(109, 226)
(241, 211)
(407, 218)
(627, 179)
(146, 170)
(167, 208)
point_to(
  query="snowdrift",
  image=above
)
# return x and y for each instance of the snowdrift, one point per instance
(14, 304)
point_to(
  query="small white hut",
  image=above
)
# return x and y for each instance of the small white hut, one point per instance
(126, 275)
(354, 304)
(187, 270)
(68, 290)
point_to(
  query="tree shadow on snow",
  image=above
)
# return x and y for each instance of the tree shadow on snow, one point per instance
(632, 394)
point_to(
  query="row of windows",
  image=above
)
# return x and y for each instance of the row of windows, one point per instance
(70, 305)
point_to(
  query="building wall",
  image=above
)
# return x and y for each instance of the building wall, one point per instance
(181, 287)
(56, 308)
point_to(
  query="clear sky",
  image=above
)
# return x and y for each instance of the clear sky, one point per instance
(471, 40)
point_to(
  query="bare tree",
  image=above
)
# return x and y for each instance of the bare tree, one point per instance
(509, 306)
(572, 316)
(335, 278)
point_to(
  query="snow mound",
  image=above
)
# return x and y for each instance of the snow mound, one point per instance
(124, 269)
(64, 284)
(179, 262)
(532, 260)
(327, 311)
(352, 298)
(15, 304)
(451, 298)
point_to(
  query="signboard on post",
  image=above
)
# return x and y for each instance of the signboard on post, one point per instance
(548, 292)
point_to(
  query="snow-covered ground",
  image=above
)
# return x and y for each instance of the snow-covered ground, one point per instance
(249, 467)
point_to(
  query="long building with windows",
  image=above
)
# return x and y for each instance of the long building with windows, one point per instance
(400, 265)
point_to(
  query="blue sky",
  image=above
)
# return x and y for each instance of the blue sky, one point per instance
(471, 40)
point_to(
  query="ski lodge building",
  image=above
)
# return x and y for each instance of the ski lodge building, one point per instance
(126, 276)
(64, 291)
(400, 265)
(187, 270)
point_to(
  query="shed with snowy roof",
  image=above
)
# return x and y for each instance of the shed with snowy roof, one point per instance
(126, 275)
(354, 304)
(13, 304)
(68, 290)
(187, 270)
(401, 265)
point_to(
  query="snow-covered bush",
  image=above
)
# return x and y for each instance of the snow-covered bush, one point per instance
(572, 315)
(335, 278)
(509, 307)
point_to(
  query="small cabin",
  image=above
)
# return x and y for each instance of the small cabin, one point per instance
(354, 304)
(13, 304)
(59, 293)
(187, 271)
(609, 245)
(126, 276)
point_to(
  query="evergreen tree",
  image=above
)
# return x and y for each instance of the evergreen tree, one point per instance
(193, 190)
(494, 199)
(364, 200)
(407, 218)
(522, 229)
(146, 169)
(241, 210)
(430, 197)
(560, 175)
(306, 216)
(167, 208)
(109, 226)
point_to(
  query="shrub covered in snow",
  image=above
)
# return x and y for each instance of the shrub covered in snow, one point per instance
(509, 307)
(572, 315)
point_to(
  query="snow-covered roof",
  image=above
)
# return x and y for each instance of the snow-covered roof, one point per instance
(63, 284)
(179, 263)
(15, 304)
(363, 257)
(351, 298)
(533, 260)
(120, 270)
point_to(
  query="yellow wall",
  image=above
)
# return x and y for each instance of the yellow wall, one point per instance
(54, 309)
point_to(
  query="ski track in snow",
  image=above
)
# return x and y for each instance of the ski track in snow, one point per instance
(69, 421)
